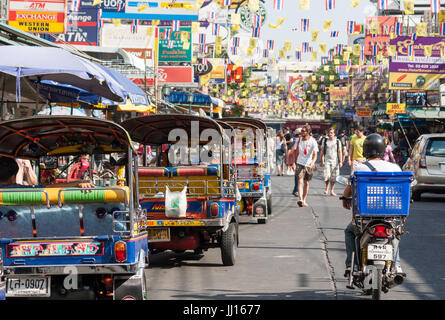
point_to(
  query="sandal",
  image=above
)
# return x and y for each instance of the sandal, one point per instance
(300, 203)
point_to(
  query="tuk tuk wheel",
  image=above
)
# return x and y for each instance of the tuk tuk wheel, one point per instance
(229, 244)
(262, 221)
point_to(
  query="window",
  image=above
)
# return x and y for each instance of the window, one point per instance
(436, 147)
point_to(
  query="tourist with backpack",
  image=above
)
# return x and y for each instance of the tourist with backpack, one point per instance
(331, 159)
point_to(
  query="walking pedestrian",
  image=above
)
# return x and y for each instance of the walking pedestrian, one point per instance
(355, 154)
(344, 142)
(306, 154)
(288, 137)
(281, 149)
(292, 159)
(331, 160)
(388, 156)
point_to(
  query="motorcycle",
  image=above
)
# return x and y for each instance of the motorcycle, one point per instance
(380, 207)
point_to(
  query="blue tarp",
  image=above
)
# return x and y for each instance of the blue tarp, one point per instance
(182, 97)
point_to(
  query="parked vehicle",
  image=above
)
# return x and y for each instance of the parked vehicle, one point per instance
(380, 207)
(427, 161)
(201, 170)
(253, 167)
(59, 241)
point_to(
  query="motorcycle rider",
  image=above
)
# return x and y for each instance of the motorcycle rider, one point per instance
(373, 150)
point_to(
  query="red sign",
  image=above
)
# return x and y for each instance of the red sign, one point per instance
(234, 75)
(175, 74)
(384, 27)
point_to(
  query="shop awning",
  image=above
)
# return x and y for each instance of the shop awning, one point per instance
(427, 114)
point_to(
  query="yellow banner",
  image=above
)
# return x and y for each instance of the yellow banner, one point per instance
(392, 108)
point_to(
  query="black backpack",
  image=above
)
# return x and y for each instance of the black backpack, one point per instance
(338, 147)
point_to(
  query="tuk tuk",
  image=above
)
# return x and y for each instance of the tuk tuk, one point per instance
(197, 169)
(252, 168)
(62, 240)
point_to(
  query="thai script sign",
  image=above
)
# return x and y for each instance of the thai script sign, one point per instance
(54, 249)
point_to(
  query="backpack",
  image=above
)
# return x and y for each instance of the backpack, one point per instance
(338, 147)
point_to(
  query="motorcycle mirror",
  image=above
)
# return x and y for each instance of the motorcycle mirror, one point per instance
(342, 180)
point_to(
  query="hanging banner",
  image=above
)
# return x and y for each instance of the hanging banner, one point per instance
(38, 16)
(295, 89)
(150, 10)
(378, 33)
(416, 72)
(172, 50)
(339, 94)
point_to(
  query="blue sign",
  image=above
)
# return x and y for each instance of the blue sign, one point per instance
(82, 26)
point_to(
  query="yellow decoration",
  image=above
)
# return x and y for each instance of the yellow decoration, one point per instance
(421, 29)
(155, 22)
(279, 23)
(195, 26)
(97, 2)
(313, 55)
(322, 47)
(428, 50)
(150, 31)
(315, 34)
(116, 22)
(305, 4)
(327, 25)
(356, 49)
(235, 19)
(354, 3)
(409, 6)
(142, 8)
(254, 5)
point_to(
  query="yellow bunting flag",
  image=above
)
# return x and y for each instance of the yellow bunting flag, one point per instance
(279, 23)
(254, 5)
(346, 56)
(326, 68)
(356, 49)
(314, 55)
(315, 34)
(235, 19)
(322, 47)
(186, 45)
(421, 29)
(392, 50)
(408, 6)
(141, 8)
(155, 22)
(97, 2)
(235, 28)
(195, 26)
(374, 27)
(305, 4)
(252, 43)
(354, 3)
(287, 45)
(150, 31)
(116, 22)
(326, 25)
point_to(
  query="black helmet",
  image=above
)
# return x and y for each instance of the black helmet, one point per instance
(374, 146)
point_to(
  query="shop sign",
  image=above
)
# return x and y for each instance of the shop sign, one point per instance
(395, 108)
(172, 50)
(363, 112)
(38, 16)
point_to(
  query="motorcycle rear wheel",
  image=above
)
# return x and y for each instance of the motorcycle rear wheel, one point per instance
(377, 293)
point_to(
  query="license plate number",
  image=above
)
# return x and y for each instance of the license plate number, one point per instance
(243, 185)
(158, 234)
(380, 252)
(28, 287)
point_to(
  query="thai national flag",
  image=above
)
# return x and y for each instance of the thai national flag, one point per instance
(398, 29)
(215, 29)
(175, 25)
(375, 50)
(167, 34)
(304, 25)
(350, 26)
(257, 21)
(99, 19)
(256, 32)
(339, 49)
(202, 38)
(442, 29)
(202, 48)
(227, 3)
(330, 4)
(75, 5)
(236, 42)
(382, 4)
(298, 55)
(265, 53)
(410, 50)
(362, 53)
(278, 4)
(121, 4)
(235, 51)
(413, 36)
(334, 34)
(270, 44)
(170, 44)
(435, 6)
(212, 15)
(134, 26)
(305, 46)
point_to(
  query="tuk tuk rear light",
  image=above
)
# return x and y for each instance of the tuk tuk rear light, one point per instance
(101, 212)
(120, 251)
(256, 186)
(11, 215)
(214, 209)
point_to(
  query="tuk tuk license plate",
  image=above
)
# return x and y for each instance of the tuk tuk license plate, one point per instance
(243, 185)
(158, 234)
(28, 287)
(380, 252)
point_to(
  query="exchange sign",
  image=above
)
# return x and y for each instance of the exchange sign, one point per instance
(44, 16)
(395, 108)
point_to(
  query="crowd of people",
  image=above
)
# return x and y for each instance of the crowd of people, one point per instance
(298, 153)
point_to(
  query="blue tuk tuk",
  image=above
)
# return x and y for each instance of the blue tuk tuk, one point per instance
(63, 240)
(252, 167)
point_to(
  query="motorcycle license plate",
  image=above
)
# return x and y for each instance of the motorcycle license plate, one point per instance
(28, 287)
(380, 252)
(158, 234)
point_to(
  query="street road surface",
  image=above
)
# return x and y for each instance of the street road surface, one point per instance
(299, 255)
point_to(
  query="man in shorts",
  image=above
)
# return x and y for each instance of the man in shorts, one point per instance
(306, 151)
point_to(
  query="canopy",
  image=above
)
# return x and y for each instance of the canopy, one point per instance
(31, 138)
(246, 122)
(58, 110)
(45, 63)
(155, 129)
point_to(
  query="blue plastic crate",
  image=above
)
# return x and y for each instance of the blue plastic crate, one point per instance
(382, 193)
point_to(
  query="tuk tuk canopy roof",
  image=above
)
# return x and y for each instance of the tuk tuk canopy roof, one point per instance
(246, 122)
(31, 138)
(155, 129)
